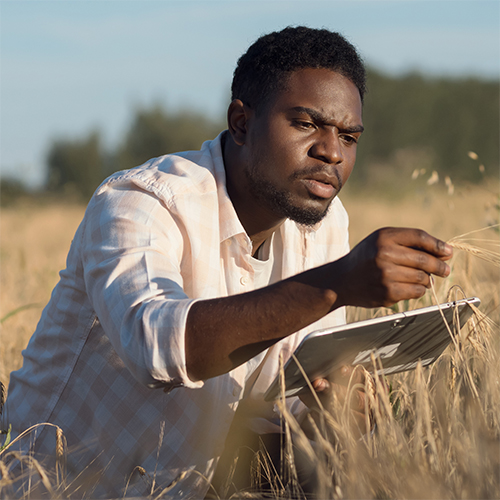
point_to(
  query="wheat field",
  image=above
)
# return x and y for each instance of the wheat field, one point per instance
(437, 429)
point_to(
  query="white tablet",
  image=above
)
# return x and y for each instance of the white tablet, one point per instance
(399, 340)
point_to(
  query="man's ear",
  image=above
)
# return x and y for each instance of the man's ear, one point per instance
(237, 120)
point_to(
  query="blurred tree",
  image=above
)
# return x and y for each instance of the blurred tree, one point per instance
(154, 132)
(441, 117)
(11, 190)
(76, 167)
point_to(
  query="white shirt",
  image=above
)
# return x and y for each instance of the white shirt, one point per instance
(154, 240)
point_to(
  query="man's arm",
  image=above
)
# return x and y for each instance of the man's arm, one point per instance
(390, 265)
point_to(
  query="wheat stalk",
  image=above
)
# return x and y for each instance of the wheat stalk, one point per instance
(60, 440)
(59, 443)
(472, 245)
(2, 396)
(25, 433)
(482, 253)
(5, 472)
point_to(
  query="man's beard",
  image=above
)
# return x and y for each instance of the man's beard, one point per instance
(280, 200)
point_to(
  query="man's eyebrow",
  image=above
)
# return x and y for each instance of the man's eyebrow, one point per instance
(319, 117)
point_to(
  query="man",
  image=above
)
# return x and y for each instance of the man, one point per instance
(193, 272)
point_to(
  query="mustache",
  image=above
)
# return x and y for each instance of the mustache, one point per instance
(305, 172)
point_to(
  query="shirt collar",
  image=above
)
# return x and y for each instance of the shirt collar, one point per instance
(229, 223)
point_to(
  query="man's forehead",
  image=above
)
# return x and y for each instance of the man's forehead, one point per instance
(317, 91)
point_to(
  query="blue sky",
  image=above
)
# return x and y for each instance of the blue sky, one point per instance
(70, 66)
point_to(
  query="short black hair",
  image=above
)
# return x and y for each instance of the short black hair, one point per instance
(265, 67)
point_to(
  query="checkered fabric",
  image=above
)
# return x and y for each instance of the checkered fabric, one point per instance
(154, 239)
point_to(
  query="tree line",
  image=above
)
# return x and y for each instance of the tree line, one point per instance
(436, 121)
(77, 167)
(411, 121)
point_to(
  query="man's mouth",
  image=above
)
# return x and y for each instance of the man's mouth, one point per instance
(322, 184)
(319, 189)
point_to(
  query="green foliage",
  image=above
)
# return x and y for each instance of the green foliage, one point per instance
(7, 438)
(10, 191)
(18, 310)
(154, 132)
(434, 121)
(76, 167)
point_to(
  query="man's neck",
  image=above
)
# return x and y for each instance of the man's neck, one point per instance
(258, 222)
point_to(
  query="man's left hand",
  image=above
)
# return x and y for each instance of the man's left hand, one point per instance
(347, 387)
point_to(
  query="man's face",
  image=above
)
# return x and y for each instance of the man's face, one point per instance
(302, 144)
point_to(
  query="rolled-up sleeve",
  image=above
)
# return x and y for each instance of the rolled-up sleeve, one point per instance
(132, 248)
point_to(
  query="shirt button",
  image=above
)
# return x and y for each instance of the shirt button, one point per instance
(235, 391)
(244, 280)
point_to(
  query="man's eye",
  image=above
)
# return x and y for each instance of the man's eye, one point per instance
(349, 139)
(303, 124)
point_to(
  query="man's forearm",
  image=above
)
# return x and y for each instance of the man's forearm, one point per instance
(225, 332)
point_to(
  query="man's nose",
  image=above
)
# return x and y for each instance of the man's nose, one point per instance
(327, 147)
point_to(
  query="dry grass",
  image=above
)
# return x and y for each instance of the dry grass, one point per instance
(34, 242)
(437, 429)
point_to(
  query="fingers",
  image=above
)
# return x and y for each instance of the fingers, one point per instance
(419, 239)
(321, 385)
(414, 249)
(346, 384)
(404, 274)
(327, 391)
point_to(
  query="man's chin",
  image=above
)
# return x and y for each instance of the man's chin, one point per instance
(307, 216)
(306, 211)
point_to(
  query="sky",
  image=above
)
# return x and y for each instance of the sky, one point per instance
(68, 67)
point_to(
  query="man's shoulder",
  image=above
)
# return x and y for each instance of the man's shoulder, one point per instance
(173, 175)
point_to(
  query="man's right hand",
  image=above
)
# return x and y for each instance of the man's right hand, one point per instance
(390, 265)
